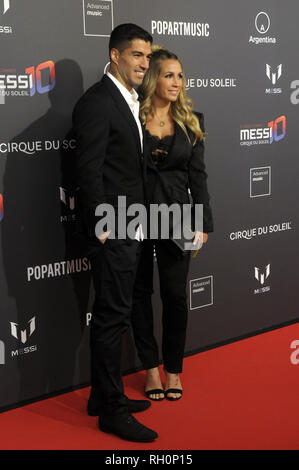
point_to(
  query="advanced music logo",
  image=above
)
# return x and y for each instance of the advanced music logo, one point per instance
(98, 18)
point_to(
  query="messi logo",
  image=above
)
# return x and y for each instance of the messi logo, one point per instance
(6, 6)
(262, 276)
(22, 334)
(273, 74)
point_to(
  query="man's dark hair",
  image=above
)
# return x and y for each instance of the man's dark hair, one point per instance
(123, 34)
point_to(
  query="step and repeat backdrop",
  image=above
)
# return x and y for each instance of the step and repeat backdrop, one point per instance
(241, 63)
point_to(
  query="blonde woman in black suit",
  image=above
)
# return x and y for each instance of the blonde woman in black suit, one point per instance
(174, 138)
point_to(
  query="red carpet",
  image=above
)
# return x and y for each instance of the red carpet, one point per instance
(241, 396)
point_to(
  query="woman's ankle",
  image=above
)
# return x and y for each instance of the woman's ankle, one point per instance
(153, 371)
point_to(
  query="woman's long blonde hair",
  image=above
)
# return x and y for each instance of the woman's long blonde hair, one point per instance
(181, 109)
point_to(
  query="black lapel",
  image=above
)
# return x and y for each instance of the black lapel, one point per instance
(143, 136)
(179, 139)
(124, 108)
(148, 161)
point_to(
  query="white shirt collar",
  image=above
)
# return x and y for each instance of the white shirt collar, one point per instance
(128, 95)
(131, 98)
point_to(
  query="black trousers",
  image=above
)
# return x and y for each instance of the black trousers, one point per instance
(113, 267)
(173, 274)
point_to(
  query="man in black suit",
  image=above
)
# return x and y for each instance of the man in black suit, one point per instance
(110, 164)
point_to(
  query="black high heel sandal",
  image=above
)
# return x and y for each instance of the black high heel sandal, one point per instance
(155, 391)
(173, 390)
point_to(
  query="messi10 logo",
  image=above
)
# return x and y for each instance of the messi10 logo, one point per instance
(278, 129)
(39, 79)
(36, 77)
(274, 132)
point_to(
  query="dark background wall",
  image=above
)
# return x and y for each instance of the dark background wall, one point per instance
(240, 59)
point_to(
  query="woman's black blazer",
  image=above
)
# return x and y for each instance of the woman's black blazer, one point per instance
(182, 170)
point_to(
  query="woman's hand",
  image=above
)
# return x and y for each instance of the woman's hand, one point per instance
(199, 239)
(104, 237)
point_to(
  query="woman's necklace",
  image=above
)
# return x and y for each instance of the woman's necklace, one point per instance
(161, 122)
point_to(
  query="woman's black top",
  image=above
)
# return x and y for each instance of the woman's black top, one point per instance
(159, 148)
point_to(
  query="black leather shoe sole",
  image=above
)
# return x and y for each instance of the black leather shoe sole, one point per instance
(126, 437)
(132, 431)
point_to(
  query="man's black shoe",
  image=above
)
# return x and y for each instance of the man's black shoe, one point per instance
(134, 406)
(128, 428)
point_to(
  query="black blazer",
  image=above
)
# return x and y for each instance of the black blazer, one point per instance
(182, 169)
(109, 160)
